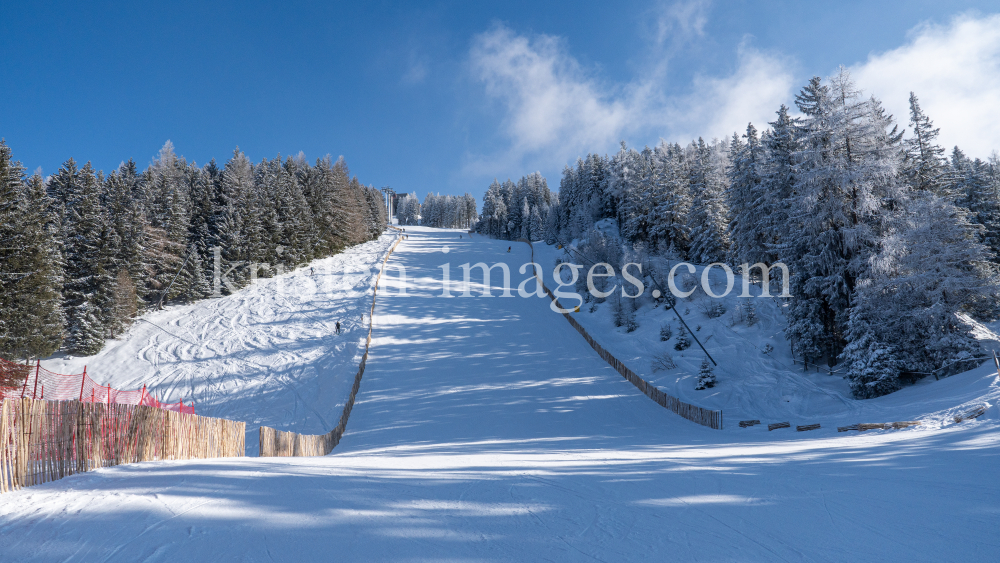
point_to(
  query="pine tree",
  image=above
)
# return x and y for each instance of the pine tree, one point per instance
(633, 176)
(408, 210)
(709, 216)
(874, 370)
(908, 309)
(924, 165)
(683, 340)
(747, 202)
(525, 219)
(127, 218)
(31, 320)
(41, 309)
(537, 229)
(299, 235)
(750, 312)
(671, 201)
(494, 218)
(89, 283)
(166, 235)
(777, 184)
(846, 189)
(11, 246)
(706, 376)
(665, 332)
(235, 191)
(63, 187)
(971, 184)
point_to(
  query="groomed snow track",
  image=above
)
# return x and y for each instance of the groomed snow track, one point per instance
(487, 429)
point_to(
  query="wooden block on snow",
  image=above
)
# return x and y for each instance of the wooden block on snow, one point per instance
(805, 427)
(974, 413)
(777, 425)
(748, 423)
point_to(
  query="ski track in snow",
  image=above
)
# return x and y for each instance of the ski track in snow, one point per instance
(266, 355)
(486, 429)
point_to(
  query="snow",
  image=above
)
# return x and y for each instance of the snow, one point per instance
(770, 387)
(267, 355)
(486, 429)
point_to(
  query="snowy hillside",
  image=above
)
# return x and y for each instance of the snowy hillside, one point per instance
(757, 375)
(486, 429)
(267, 355)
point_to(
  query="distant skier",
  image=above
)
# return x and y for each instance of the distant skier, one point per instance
(508, 249)
(338, 327)
(312, 271)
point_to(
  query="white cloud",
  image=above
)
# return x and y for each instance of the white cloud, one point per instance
(556, 110)
(720, 106)
(682, 20)
(955, 71)
(551, 102)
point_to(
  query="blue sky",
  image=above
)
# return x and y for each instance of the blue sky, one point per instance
(444, 96)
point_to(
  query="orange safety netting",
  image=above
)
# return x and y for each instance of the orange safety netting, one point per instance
(36, 382)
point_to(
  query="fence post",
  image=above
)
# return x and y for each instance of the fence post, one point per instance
(38, 367)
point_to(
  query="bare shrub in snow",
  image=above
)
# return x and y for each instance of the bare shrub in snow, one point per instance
(663, 362)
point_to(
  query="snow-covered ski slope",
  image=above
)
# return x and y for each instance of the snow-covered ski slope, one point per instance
(487, 430)
(268, 355)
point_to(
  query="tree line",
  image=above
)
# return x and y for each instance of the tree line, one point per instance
(81, 252)
(892, 244)
(519, 210)
(440, 211)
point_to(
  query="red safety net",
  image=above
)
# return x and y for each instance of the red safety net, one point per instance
(36, 382)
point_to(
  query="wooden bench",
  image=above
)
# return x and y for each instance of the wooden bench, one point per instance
(806, 427)
(748, 423)
(777, 425)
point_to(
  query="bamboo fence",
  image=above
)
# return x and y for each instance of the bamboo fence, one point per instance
(42, 441)
(36, 382)
(705, 417)
(278, 443)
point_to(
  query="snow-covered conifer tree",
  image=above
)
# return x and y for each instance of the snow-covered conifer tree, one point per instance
(924, 165)
(746, 199)
(706, 376)
(846, 186)
(31, 320)
(709, 218)
(89, 280)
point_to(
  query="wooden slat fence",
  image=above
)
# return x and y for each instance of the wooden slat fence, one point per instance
(278, 443)
(42, 441)
(705, 417)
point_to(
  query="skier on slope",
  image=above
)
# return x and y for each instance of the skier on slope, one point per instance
(338, 327)
(508, 249)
